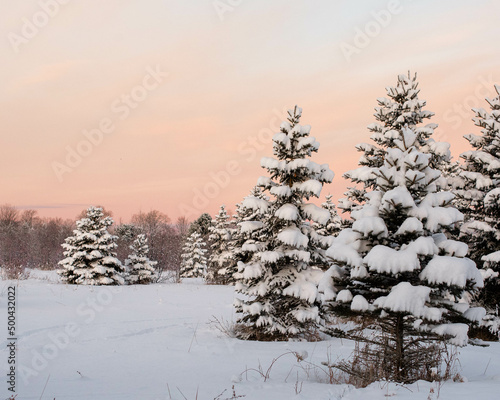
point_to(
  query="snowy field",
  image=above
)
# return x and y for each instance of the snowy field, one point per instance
(156, 342)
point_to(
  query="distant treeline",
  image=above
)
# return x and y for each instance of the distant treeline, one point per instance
(30, 241)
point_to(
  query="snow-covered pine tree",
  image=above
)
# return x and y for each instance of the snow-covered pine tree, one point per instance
(90, 253)
(279, 280)
(140, 269)
(194, 262)
(334, 224)
(220, 255)
(398, 273)
(478, 197)
(202, 226)
(400, 108)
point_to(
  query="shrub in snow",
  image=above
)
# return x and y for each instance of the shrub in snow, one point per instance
(478, 197)
(194, 262)
(90, 253)
(220, 243)
(397, 272)
(400, 108)
(278, 279)
(140, 269)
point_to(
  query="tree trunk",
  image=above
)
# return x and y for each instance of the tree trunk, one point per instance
(399, 361)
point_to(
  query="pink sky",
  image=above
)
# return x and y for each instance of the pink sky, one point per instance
(202, 121)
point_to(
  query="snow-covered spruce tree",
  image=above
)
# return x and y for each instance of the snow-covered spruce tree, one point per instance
(478, 197)
(140, 269)
(220, 241)
(334, 224)
(400, 108)
(194, 262)
(90, 253)
(398, 273)
(202, 226)
(279, 280)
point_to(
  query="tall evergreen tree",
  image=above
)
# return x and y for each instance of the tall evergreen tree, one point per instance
(194, 262)
(90, 252)
(140, 269)
(395, 269)
(220, 256)
(278, 280)
(400, 108)
(478, 197)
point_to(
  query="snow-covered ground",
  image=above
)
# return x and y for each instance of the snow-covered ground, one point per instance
(155, 342)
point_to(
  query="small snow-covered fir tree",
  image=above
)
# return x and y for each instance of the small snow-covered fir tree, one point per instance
(478, 193)
(140, 269)
(396, 271)
(194, 262)
(202, 226)
(278, 280)
(334, 224)
(90, 253)
(220, 239)
(400, 108)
